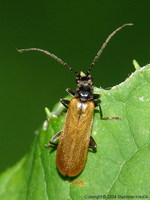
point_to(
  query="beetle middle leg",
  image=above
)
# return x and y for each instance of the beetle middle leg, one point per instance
(104, 117)
(53, 139)
(96, 96)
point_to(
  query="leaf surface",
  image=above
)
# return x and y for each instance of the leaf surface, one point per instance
(119, 167)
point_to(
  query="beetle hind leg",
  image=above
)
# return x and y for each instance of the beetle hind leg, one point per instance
(92, 143)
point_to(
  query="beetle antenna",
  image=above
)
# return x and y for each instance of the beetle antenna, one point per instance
(105, 44)
(51, 55)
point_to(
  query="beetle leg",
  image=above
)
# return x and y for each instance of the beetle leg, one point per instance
(70, 91)
(96, 96)
(103, 117)
(96, 104)
(53, 139)
(92, 143)
(65, 102)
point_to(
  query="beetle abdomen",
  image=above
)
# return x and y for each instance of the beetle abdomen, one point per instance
(74, 140)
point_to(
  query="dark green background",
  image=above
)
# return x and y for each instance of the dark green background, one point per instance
(74, 31)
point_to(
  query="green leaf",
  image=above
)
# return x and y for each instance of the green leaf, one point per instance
(121, 165)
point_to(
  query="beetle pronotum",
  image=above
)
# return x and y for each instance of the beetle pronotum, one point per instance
(75, 137)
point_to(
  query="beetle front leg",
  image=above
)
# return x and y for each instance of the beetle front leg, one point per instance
(65, 102)
(96, 96)
(53, 139)
(70, 91)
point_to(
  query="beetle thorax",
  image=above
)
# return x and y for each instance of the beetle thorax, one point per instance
(84, 89)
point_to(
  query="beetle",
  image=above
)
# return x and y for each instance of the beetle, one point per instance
(75, 137)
